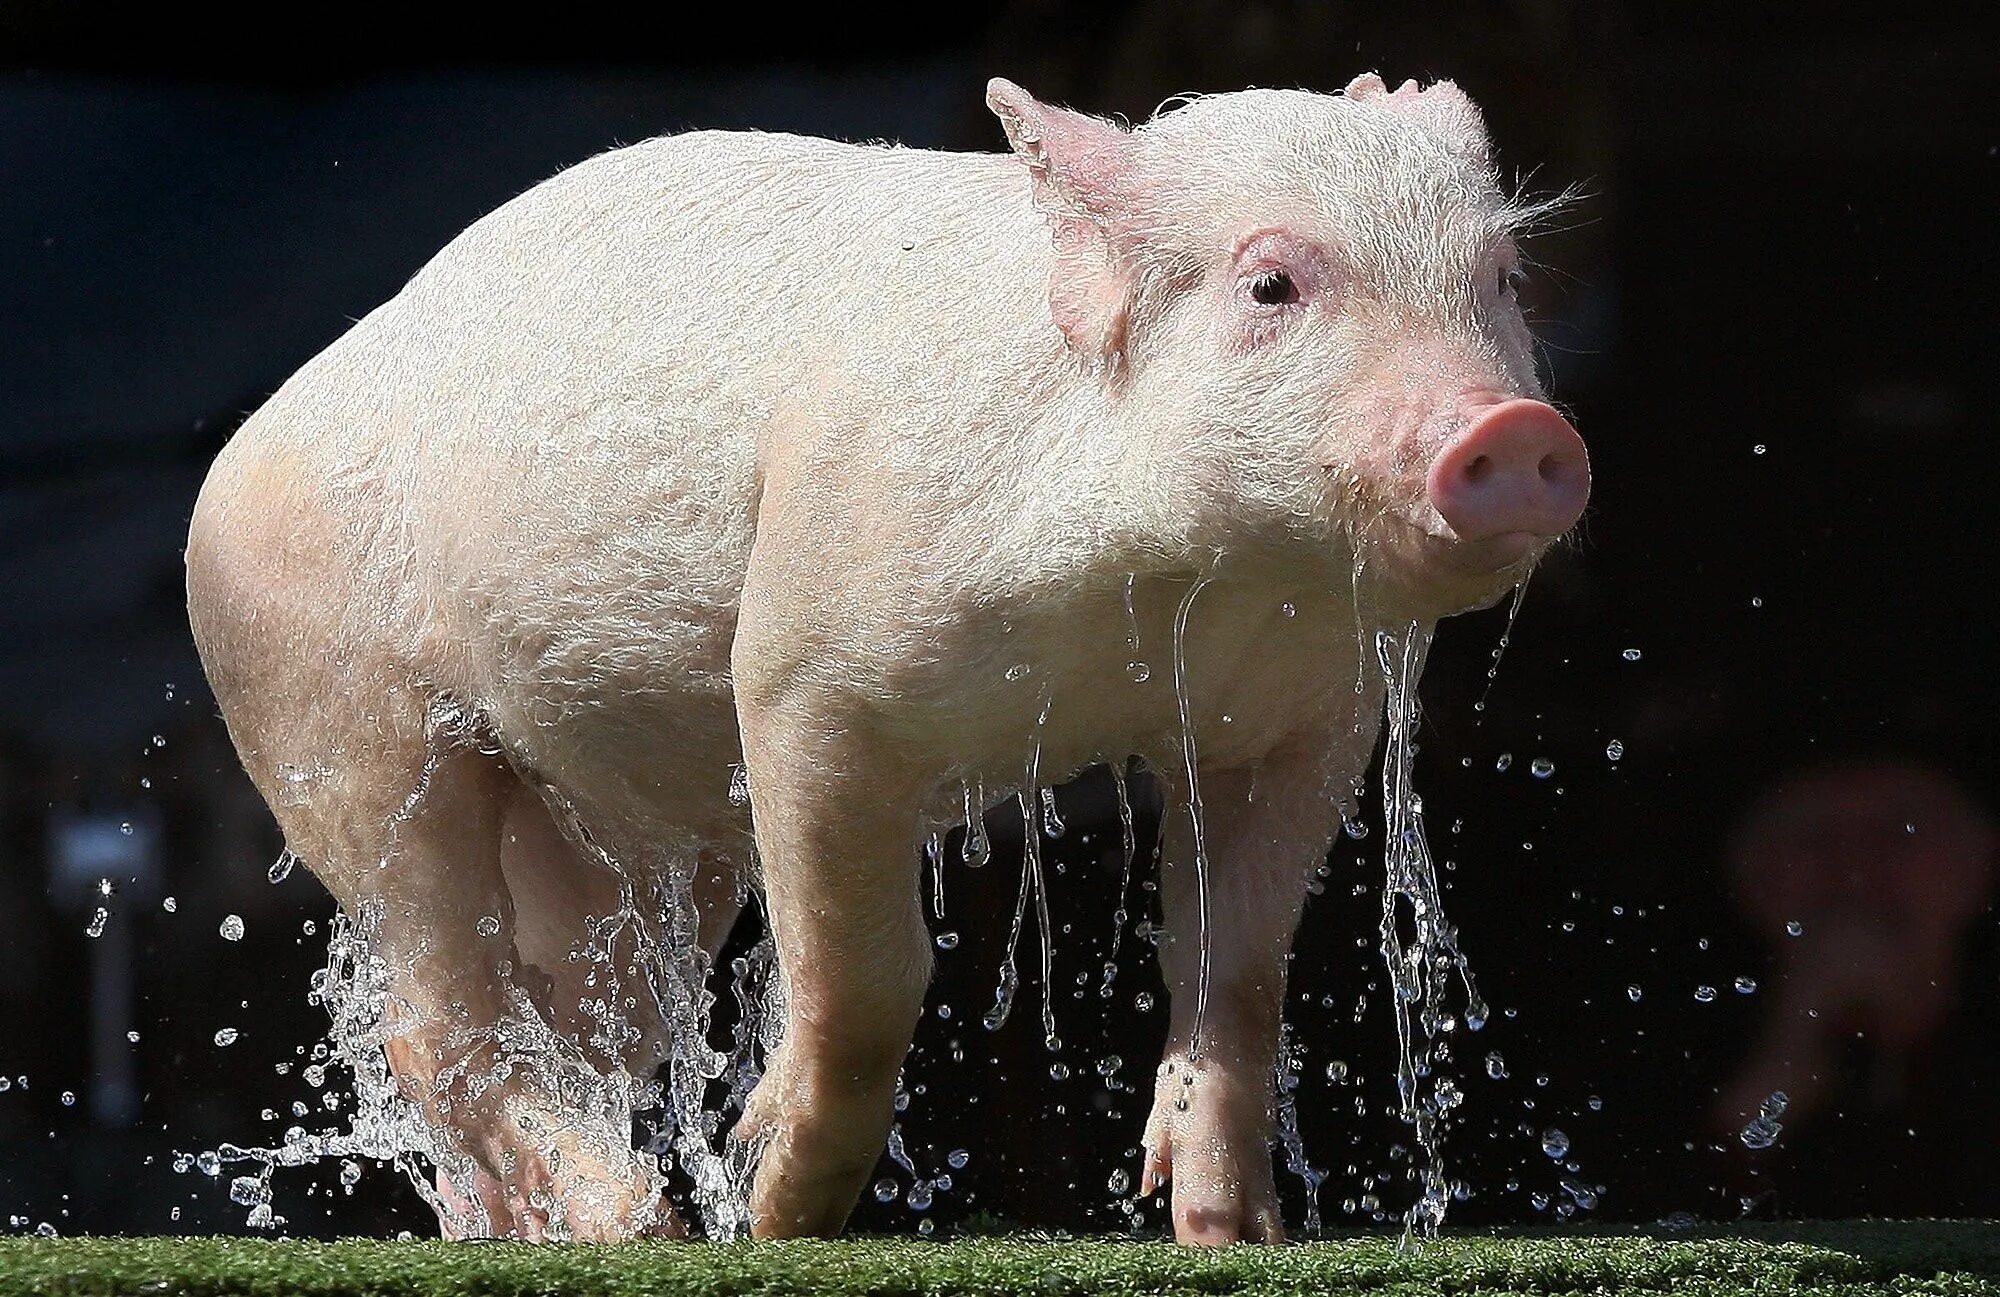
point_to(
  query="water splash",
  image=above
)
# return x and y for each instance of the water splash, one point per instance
(1421, 968)
(643, 958)
(1286, 1086)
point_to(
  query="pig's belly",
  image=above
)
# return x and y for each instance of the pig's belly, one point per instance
(615, 695)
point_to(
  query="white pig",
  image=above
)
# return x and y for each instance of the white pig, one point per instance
(844, 464)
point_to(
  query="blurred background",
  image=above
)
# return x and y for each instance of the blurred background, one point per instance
(1724, 825)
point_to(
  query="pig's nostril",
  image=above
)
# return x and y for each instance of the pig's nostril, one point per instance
(1552, 469)
(1479, 469)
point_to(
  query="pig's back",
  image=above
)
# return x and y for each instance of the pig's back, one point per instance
(540, 462)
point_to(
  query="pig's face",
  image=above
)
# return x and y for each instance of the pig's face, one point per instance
(1309, 303)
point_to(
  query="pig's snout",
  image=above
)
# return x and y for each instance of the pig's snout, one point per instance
(1517, 475)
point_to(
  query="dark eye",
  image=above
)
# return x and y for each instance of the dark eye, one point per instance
(1273, 288)
(1512, 280)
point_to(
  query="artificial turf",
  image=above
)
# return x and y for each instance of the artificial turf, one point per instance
(1850, 1258)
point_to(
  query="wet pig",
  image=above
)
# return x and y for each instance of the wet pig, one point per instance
(862, 469)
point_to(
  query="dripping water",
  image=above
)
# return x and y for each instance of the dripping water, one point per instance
(1506, 636)
(1129, 843)
(1419, 970)
(1194, 811)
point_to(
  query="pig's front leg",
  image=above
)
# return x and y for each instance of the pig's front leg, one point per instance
(1265, 829)
(836, 836)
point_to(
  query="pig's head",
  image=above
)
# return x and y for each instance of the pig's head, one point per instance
(1307, 306)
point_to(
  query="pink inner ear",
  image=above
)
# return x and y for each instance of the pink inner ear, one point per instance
(1081, 168)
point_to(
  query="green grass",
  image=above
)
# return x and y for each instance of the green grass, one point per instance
(1959, 1259)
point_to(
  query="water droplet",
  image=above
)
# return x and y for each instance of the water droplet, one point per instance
(1704, 994)
(132, 1036)
(159, 740)
(68, 1098)
(208, 1164)
(739, 786)
(1288, 609)
(1746, 985)
(1496, 1066)
(957, 1158)
(920, 1197)
(246, 1190)
(1018, 670)
(1336, 1072)
(95, 928)
(1506, 759)
(1143, 1001)
(232, 928)
(1756, 601)
(1052, 822)
(1121, 1179)
(487, 926)
(1059, 1071)
(1794, 928)
(947, 941)
(1555, 1143)
(1615, 750)
(1541, 767)
(1582, 1194)
(1634, 992)
(282, 867)
(1757, 449)
(1760, 1132)
(1632, 655)
(126, 828)
(885, 1190)
(225, 1037)
(1139, 672)
(350, 1174)
(169, 904)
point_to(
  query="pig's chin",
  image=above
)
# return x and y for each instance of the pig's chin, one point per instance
(1443, 575)
(1512, 552)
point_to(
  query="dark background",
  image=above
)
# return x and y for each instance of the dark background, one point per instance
(1788, 244)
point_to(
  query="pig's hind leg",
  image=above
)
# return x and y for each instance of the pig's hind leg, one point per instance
(1265, 829)
(413, 834)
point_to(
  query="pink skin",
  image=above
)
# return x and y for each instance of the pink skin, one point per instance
(1515, 477)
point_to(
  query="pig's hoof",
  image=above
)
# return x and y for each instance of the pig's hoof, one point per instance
(1222, 1188)
(486, 1209)
(813, 1151)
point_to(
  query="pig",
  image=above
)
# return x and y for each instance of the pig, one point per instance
(863, 469)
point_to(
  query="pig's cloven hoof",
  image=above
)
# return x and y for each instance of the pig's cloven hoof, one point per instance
(815, 1150)
(1216, 1156)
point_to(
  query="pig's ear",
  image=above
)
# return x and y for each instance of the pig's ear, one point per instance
(1082, 172)
(1442, 107)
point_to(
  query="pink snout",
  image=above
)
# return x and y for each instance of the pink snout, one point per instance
(1517, 472)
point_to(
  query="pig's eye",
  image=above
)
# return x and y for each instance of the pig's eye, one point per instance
(1512, 280)
(1273, 287)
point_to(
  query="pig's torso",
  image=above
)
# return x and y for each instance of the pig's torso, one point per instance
(545, 465)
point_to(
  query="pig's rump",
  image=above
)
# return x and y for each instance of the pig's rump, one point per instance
(529, 483)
